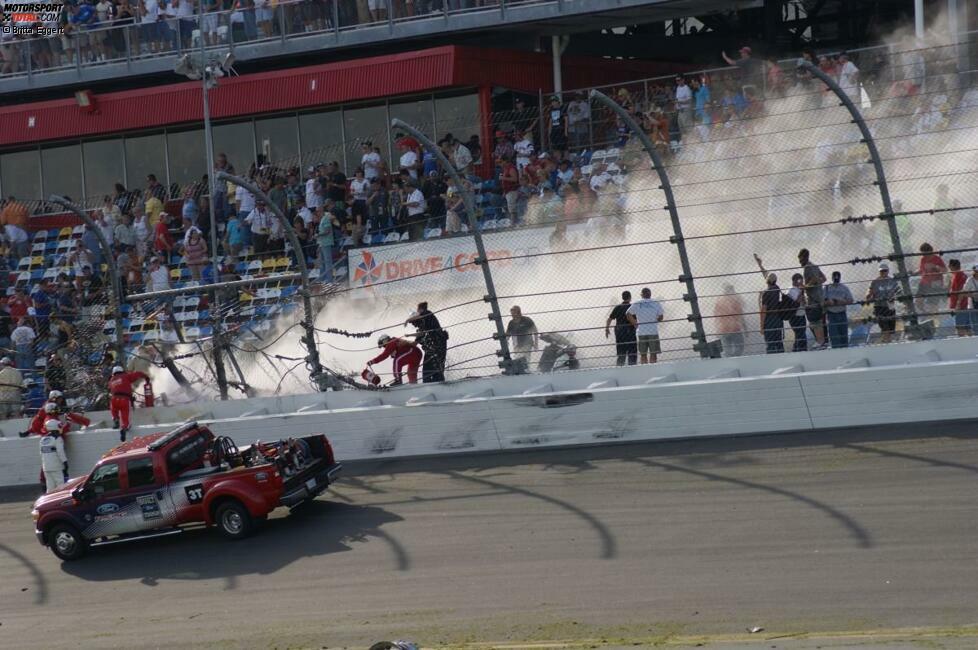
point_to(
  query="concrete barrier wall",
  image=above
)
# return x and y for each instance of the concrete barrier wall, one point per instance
(787, 392)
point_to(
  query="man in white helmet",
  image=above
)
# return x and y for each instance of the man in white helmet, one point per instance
(121, 398)
(57, 398)
(11, 381)
(405, 353)
(54, 462)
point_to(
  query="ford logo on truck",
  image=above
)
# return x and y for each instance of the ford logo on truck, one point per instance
(107, 508)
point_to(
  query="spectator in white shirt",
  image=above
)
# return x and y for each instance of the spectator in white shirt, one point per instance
(159, 276)
(245, 201)
(260, 219)
(684, 102)
(461, 157)
(645, 315)
(849, 77)
(151, 28)
(370, 161)
(524, 151)
(416, 206)
(23, 338)
(409, 159)
(314, 199)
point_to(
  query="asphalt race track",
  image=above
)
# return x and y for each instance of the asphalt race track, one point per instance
(841, 539)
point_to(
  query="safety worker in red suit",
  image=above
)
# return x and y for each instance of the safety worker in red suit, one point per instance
(121, 398)
(404, 353)
(54, 461)
(57, 399)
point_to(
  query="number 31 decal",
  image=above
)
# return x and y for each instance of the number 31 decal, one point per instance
(195, 493)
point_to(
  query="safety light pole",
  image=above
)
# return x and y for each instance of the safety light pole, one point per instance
(207, 72)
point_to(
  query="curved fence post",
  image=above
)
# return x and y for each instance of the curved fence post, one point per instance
(309, 337)
(116, 297)
(496, 316)
(699, 335)
(874, 154)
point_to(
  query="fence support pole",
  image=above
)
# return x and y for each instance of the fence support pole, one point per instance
(874, 154)
(116, 297)
(699, 335)
(482, 260)
(320, 378)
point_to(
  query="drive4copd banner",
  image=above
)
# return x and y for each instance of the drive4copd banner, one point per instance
(443, 264)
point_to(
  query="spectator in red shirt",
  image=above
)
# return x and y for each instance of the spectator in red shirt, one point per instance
(958, 299)
(18, 304)
(162, 239)
(932, 287)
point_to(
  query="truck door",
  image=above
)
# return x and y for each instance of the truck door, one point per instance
(151, 506)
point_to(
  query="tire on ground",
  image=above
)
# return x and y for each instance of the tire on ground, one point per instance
(233, 519)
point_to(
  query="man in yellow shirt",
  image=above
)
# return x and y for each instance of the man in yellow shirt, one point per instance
(153, 209)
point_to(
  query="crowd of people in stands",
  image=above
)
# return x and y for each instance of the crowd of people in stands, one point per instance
(105, 30)
(556, 165)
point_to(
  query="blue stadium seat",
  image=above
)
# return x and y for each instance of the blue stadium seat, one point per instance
(378, 238)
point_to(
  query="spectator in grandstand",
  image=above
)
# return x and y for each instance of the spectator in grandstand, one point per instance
(509, 184)
(946, 218)
(504, 147)
(848, 77)
(524, 149)
(325, 242)
(154, 188)
(163, 244)
(883, 291)
(55, 374)
(41, 298)
(626, 346)
(455, 213)
(838, 297)
(931, 290)
(336, 184)
(23, 338)
(11, 383)
(525, 120)
(416, 206)
(745, 63)
(260, 222)
(645, 316)
(409, 159)
(18, 303)
(578, 122)
(159, 275)
(195, 253)
(378, 206)
(770, 312)
(684, 102)
(730, 323)
(702, 106)
(457, 153)
(523, 334)
(958, 299)
(557, 127)
(370, 161)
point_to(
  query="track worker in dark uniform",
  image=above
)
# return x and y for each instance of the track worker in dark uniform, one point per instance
(626, 344)
(433, 340)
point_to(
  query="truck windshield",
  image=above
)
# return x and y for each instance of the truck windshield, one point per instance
(188, 454)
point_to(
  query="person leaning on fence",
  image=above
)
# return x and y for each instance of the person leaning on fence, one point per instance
(626, 345)
(11, 382)
(958, 300)
(771, 317)
(523, 332)
(883, 291)
(433, 339)
(838, 297)
(645, 316)
(730, 323)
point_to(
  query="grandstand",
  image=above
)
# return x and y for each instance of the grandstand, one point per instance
(747, 179)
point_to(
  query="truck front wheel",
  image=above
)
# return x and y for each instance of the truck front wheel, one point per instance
(233, 519)
(66, 542)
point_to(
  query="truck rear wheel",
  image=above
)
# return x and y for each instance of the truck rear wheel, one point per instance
(234, 520)
(66, 542)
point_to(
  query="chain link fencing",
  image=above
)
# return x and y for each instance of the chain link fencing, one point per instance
(769, 165)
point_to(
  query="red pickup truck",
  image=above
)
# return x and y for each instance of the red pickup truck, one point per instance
(155, 485)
